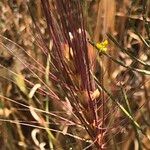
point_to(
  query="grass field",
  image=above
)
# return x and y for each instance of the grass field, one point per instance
(74, 75)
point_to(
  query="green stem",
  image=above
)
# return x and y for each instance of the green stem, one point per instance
(130, 112)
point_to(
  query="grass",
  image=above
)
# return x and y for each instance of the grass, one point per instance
(62, 87)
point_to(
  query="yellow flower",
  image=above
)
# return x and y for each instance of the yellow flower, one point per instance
(102, 47)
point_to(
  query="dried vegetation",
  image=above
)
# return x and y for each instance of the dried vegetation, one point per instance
(58, 90)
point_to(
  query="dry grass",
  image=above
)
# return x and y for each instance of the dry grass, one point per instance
(62, 93)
